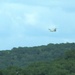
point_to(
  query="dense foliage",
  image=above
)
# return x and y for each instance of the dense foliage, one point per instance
(51, 59)
(23, 56)
(62, 66)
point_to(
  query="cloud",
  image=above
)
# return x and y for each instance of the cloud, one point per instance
(27, 22)
(22, 15)
(31, 18)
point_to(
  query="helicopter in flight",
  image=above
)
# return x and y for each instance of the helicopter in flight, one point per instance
(52, 29)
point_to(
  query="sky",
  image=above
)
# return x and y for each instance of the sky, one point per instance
(25, 23)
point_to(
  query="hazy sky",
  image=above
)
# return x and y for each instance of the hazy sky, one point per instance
(26, 22)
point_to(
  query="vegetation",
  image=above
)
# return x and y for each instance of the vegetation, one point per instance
(53, 59)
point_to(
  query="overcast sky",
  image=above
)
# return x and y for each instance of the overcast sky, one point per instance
(26, 22)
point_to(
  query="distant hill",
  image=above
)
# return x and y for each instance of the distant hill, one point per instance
(62, 66)
(24, 56)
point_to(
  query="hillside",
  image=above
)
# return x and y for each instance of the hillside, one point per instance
(23, 56)
(62, 66)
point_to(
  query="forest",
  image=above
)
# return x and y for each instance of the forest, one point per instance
(51, 59)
